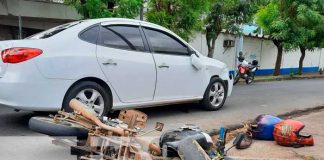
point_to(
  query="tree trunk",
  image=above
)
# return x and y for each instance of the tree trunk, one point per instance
(279, 57)
(211, 50)
(301, 60)
(211, 36)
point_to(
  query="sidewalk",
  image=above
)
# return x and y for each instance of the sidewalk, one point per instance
(310, 75)
(270, 150)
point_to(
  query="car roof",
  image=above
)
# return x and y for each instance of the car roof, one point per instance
(100, 20)
(126, 20)
(142, 23)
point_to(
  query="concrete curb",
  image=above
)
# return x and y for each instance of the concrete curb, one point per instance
(295, 113)
(289, 78)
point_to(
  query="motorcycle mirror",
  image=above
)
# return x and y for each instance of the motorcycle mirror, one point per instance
(238, 139)
(159, 126)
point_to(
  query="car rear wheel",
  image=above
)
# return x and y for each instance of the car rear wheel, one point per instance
(215, 95)
(92, 95)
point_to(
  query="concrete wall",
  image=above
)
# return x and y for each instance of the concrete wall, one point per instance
(262, 50)
(37, 9)
(36, 15)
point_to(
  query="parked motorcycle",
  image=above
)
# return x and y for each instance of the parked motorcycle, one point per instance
(122, 138)
(246, 70)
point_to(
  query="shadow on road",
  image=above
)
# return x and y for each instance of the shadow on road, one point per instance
(16, 123)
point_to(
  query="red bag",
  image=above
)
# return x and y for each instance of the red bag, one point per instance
(287, 133)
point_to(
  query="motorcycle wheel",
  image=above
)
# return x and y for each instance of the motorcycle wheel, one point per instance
(47, 126)
(249, 79)
(236, 79)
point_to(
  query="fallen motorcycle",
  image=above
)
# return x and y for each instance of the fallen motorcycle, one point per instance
(123, 138)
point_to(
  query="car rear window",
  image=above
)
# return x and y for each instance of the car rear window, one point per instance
(53, 31)
(90, 35)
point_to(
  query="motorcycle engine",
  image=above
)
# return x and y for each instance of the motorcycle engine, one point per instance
(169, 140)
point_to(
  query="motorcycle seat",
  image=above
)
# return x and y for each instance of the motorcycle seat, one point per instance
(171, 148)
(200, 138)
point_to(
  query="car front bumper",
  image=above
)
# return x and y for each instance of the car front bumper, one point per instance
(229, 78)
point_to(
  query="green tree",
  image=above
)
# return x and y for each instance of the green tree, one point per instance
(293, 24)
(106, 8)
(181, 16)
(306, 21)
(271, 20)
(228, 15)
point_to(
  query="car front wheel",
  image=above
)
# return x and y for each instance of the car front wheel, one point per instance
(215, 95)
(92, 95)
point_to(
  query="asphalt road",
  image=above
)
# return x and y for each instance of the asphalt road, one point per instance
(246, 102)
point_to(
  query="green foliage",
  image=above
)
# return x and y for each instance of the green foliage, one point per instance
(127, 8)
(307, 22)
(228, 15)
(294, 22)
(181, 16)
(269, 19)
(106, 8)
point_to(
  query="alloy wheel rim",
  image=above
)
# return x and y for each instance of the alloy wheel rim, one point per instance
(216, 94)
(92, 99)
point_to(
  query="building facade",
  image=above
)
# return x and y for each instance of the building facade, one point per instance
(32, 16)
(262, 49)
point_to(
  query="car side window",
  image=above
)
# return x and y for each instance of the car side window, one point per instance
(90, 35)
(164, 43)
(110, 39)
(132, 34)
(121, 37)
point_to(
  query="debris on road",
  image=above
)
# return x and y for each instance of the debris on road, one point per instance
(262, 127)
(265, 149)
(288, 133)
(123, 138)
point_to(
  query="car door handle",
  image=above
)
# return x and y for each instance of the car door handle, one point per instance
(163, 65)
(110, 62)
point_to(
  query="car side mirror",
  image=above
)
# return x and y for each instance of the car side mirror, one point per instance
(196, 61)
(193, 52)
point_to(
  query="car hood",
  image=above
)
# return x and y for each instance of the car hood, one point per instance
(210, 62)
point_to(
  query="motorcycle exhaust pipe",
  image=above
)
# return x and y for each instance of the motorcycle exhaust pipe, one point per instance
(91, 115)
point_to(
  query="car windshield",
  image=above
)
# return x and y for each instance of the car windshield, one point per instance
(53, 31)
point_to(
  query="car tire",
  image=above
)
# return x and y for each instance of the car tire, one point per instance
(212, 93)
(47, 126)
(105, 96)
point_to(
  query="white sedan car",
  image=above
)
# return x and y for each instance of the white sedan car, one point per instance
(108, 64)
